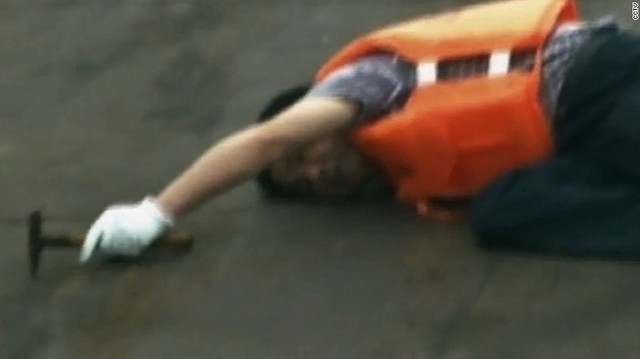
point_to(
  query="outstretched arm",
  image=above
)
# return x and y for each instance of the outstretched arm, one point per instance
(127, 229)
(242, 155)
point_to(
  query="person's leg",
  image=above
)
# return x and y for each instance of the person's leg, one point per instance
(599, 108)
(567, 206)
(615, 141)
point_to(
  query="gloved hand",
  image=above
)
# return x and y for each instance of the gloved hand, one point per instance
(126, 229)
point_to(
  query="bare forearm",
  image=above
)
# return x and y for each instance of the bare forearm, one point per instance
(233, 160)
(243, 155)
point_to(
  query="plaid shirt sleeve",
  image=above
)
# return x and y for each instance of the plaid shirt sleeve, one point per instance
(382, 83)
(378, 83)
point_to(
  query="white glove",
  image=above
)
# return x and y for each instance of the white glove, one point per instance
(126, 229)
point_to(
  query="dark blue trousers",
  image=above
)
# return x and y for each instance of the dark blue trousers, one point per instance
(585, 201)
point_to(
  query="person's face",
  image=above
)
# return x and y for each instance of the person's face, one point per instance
(330, 167)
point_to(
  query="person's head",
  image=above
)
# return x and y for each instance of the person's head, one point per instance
(327, 168)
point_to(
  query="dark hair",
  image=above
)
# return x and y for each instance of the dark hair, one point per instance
(269, 187)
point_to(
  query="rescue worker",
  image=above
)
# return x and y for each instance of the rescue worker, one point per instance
(482, 105)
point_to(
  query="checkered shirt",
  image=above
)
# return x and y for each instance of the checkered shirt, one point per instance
(381, 82)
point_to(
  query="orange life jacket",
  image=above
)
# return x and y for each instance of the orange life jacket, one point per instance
(454, 137)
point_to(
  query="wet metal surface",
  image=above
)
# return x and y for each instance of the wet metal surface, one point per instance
(106, 101)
